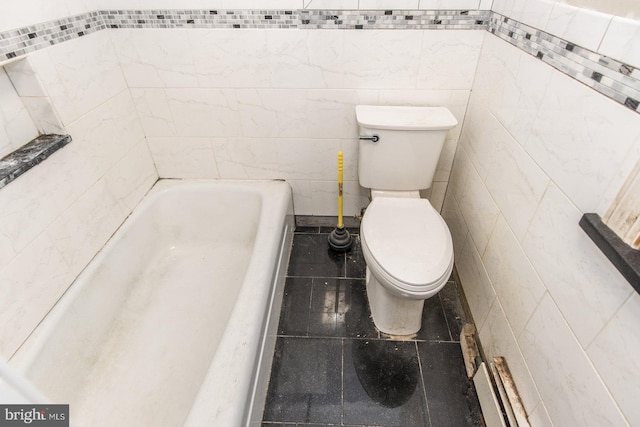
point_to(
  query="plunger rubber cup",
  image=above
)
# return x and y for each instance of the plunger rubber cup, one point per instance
(340, 240)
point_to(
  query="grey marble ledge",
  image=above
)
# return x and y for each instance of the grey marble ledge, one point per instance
(622, 256)
(24, 158)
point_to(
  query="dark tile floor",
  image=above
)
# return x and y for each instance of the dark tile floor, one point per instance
(332, 367)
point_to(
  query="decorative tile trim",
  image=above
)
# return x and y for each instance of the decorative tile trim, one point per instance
(396, 19)
(611, 78)
(24, 158)
(22, 41)
(16, 43)
(201, 18)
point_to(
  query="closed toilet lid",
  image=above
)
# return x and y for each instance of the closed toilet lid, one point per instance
(409, 240)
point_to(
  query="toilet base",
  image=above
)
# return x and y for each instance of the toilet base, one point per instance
(392, 314)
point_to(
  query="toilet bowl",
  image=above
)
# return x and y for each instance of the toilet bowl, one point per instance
(408, 251)
(406, 244)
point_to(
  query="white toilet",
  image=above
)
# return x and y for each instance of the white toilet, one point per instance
(406, 244)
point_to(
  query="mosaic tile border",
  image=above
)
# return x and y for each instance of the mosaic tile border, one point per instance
(614, 79)
(16, 43)
(213, 19)
(19, 42)
(396, 19)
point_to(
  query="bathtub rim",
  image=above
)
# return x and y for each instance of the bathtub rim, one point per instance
(282, 209)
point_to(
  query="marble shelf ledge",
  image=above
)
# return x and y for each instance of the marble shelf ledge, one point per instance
(622, 256)
(24, 158)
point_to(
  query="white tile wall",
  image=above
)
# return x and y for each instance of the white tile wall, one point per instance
(130, 179)
(478, 288)
(498, 340)
(330, 4)
(572, 391)
(622, 41)
(389, 4)
(31, 283)
(458, 228)
(580, 138)
(450, 4)
(279, 104)
(613, 354)
(515, 280)
(54, 218)
(185, 157)
(479, 210)
(16, 126)
(593, 286)
(537, 150)
(20, 14)
(584, 27)
(515, 181)
(64, 73)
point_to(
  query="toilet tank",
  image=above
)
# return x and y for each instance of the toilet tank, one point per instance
(410, 140)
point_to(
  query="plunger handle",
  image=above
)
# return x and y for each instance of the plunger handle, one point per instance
(340, 224)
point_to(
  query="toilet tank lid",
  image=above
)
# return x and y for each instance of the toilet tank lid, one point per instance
(404, 117)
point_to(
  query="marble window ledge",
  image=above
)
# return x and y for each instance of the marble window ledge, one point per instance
(34, 152)
(622, 256)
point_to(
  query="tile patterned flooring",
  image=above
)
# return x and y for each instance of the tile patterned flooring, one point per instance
(332, 367)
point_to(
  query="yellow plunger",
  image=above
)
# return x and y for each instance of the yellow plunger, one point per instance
(339, 238)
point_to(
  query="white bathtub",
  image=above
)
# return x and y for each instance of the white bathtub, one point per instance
(173, 323)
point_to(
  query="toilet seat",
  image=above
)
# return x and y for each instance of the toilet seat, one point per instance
(407, 245)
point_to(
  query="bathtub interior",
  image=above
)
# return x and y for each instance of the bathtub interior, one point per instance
(147, 315)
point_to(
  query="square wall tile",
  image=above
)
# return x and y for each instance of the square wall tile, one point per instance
(183, 157)
(535, 13)
(448, 59)
(482, 136)
(30, 285)
(388, 4)
(223, 59)
(155, 58)
(592, 290)
(154, 112)
(330, 4)
(570, 387)
(475, 282)
(580, 139)
(84, 227)
(581, 26)
(24, 78)
(515, 182)
(498, 340)
(479, 210)
(458, 228)
(320, 197)
(16, 126)
(514, 279)
(395, 66)
(132, 177)
(449, 4)
(622, 41)
(613, 354)
(80, 74)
